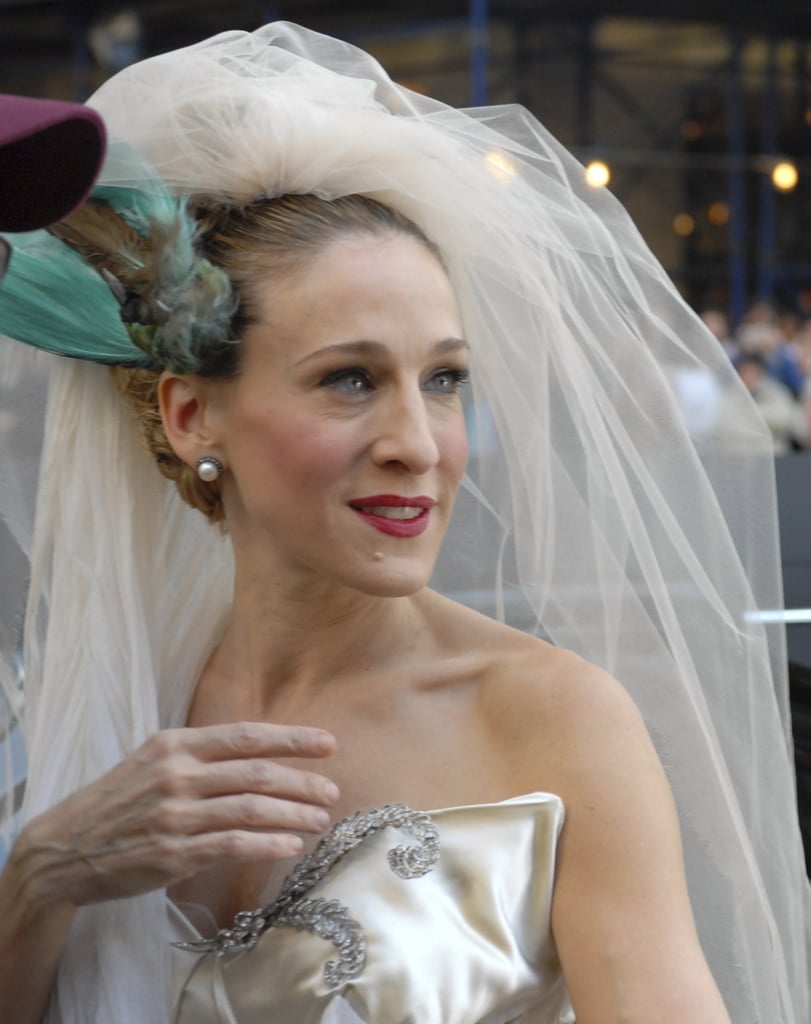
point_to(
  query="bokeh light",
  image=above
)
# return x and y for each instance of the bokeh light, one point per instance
(598, 174)
(784, 176)
(500, 166)
(684, 224)
(690, 130)
(718, 214)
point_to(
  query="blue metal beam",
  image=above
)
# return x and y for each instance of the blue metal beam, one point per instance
(736, 143)
(478, 19)
(766, 255)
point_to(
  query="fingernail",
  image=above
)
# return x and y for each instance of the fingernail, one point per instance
(331, 792)
(324, 743)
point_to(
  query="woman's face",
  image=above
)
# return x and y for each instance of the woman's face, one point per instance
(344, 435)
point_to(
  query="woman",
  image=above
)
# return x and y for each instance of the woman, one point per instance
(299, 372)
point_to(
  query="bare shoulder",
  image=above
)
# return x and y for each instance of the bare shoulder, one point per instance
(621, 916)
(560, 721)
(524, 680)
(552, 720)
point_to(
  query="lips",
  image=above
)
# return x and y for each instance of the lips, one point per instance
(395, 514)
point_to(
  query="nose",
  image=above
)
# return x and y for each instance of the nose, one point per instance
(404, 434)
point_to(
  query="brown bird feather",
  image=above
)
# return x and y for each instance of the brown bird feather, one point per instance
(103, 238)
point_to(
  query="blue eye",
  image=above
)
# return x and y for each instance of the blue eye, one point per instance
(447, 381)
(351, 381)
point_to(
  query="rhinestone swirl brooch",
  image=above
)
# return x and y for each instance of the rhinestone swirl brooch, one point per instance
(330, 919)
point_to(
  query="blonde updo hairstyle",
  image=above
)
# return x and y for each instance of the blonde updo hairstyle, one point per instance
(267, 236)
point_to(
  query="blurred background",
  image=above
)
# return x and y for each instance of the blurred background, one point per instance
(699, 111)
(695, 113)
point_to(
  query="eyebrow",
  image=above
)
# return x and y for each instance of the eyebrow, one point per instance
(372, 348)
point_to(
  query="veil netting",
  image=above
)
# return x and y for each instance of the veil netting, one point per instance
(605, 508)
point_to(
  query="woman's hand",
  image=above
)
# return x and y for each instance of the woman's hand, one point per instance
(183, 802)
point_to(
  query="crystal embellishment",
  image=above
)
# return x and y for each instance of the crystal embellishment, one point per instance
(330, 919)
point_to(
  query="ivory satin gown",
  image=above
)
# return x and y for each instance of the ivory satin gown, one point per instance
(453, 927)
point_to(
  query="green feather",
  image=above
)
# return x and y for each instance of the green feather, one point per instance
(138, 245)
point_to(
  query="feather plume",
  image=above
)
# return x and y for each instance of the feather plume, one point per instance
(122, 280)
(102, 237)
(176, 306)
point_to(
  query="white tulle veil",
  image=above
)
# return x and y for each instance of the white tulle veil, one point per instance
(600, 509)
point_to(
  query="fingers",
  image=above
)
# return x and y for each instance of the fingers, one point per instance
(236, 846)
(242, 739)
(248, 812)
(219, 760)
(187, 800)
(264, 777)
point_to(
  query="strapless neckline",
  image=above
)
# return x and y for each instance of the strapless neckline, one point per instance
(439, 916)
(243, 931)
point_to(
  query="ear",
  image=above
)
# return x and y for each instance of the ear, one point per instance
(188, 416)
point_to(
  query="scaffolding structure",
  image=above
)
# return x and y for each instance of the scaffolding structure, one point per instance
(690, 105)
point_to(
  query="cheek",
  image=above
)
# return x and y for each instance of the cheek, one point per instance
(454, 448)
(295, 453)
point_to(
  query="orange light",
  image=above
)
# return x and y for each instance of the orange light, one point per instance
(785, 176)
(718, 214)
(598, 174)
(684, 224)
(500, 166)
(690, 131)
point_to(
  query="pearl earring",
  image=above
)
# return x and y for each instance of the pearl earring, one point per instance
(209, 469)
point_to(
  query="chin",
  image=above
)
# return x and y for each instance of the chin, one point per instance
(386, 579)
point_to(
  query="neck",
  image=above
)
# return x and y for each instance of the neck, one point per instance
(290, 644)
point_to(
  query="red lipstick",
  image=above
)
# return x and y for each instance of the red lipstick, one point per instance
(395, 514)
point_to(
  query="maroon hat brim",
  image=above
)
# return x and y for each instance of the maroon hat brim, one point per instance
(50, 154)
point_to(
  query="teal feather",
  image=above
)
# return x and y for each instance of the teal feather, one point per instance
(66, 296)
(52, 299)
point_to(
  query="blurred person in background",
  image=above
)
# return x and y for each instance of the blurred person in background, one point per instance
(717, 322)
(50, 154)
(778, 406)
(760, 334)
(802, 343)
